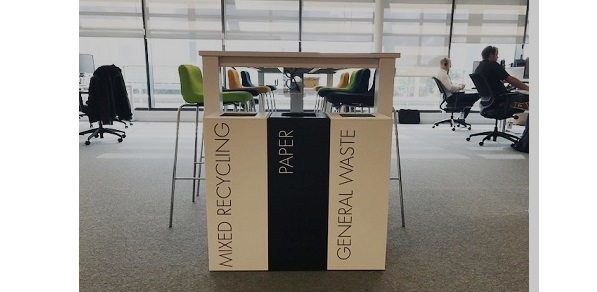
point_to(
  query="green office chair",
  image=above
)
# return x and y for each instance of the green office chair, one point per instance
(351, 84)
(191, 88)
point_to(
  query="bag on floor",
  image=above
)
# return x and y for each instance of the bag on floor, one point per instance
(523, 143)
(409, 116)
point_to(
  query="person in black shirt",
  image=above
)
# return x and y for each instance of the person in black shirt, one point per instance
(495, 75)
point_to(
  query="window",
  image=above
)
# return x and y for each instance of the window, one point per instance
(420, 32)
(113, 33)
(338, 26)
(261, 25)
(176, 32)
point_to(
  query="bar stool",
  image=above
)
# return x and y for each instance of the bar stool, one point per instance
(234, 82)
(191, 88)
(246, 81)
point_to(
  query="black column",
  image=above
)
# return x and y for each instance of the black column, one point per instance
(298, 191)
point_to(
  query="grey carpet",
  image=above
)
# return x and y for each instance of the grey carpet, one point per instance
(466, 219)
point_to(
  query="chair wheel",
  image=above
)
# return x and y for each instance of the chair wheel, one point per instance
(126, 127)
(96, 135)
(468, 139)
(469, 128)
(119, 140)
(481, 143)
(87, 142)
(123, 136)
(453, 129)
(433, 126)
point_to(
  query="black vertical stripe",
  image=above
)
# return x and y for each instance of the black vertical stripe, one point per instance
(298, 201)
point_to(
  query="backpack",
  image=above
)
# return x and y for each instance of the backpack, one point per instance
(523, 143)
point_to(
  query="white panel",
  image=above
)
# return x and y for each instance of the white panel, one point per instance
(236, 192)
(359, 192)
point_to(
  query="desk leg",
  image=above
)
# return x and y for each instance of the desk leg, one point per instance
(296, 102)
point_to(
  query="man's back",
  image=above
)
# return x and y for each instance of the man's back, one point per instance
(494, 74)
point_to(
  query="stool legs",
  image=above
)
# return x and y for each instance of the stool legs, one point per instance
(196, 178)
(195, 163)
(399, 177)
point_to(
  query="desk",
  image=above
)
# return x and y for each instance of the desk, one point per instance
(384, 62)
(281, 188)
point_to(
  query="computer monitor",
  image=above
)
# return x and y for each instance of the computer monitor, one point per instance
(86, 64)
(525, 75)
(475, 65)
(518, 63)
(517, 72)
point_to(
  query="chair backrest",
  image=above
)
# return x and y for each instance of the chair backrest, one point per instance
(372, 88)
(108, 83)
(441, 88)
(491, 104)
(362, 81)
(352, 79)
(246, 79)
(233, 79)
(481, 86)
(191, 83)
(344, 77)
(82, 106)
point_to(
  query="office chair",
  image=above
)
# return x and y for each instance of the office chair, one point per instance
(351, 84)
(251, 104)
(83, 107)
(360, 87)
(451, 105)
(234, 82)
(191, 89)
(342, 83)
(107, 102)
(361, 95)
(246, 82)
(494, 106)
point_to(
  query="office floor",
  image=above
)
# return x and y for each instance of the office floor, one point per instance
(466, 219)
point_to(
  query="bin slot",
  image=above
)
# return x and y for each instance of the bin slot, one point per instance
(291, 114)
(357, 115)
(238, 114)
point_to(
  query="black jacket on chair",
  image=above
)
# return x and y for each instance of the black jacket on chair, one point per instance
(108, 99)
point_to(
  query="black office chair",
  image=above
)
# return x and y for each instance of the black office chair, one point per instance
(451, 105)
(83, 107)
(494, 106)
(108, 102)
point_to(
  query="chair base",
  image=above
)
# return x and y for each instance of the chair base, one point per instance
(493, 135)
(453, 123)
(100, 131)
(124, 122)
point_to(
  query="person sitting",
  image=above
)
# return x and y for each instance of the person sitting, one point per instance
(453, 91)
(495, 75)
